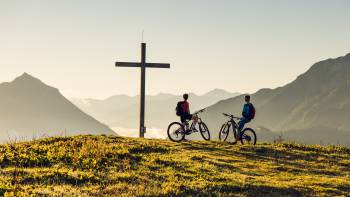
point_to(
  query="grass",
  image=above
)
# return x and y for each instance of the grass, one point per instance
(115, 166)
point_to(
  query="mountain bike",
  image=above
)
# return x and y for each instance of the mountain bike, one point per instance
(177, 131)
(248, 135)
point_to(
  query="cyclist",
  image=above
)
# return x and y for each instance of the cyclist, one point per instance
(184, 112)
(248, 114)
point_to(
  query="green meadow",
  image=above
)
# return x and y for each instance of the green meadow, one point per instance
(117, 166)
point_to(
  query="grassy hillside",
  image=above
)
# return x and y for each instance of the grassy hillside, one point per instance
(100, 165)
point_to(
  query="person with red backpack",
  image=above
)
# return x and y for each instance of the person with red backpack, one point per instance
(183, 110)
(248, 114)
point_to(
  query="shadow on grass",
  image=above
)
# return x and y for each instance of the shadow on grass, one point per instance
(285, 157)
(148, 149)
(233, 190)
(58, 178)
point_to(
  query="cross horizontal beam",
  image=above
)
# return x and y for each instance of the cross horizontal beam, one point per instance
(136, 64)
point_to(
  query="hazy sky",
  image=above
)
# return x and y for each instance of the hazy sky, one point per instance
(235, 45)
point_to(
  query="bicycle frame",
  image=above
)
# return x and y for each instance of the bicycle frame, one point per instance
(233, 123)
(199, 120)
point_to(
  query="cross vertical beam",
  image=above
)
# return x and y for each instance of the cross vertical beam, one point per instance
(143, 65)
(143, 87)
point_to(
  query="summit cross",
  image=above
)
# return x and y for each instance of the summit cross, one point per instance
(143, 65)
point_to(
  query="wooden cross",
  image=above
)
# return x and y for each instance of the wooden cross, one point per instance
(143, 66)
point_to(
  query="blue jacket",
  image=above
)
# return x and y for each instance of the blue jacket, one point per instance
(246, 110)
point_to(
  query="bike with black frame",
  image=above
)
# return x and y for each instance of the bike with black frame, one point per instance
(177, 131)
(248, 135)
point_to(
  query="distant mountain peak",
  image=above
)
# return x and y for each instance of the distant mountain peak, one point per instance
(218, 92)
(25, 74)
(27, 78)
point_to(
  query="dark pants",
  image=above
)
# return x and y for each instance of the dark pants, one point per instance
(185, 116)
(241, 124)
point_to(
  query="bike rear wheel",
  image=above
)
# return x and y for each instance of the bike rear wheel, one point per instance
(248, 136)
(176, 132)
(204, 131)
(224, 131)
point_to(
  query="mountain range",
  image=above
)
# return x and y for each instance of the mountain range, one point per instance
(123, 111)
(314, 108)
(30, 109)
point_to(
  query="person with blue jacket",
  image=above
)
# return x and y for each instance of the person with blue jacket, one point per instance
(248, 114)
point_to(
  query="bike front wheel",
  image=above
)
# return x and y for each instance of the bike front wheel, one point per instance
(204, 131)
(176, 132)
(224, 131)
(248, 136)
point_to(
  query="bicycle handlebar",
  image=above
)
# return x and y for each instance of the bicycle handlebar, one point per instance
(200, 111)
(231, 116)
